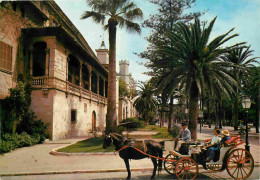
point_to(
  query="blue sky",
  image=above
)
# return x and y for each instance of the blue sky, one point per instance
(243, 15)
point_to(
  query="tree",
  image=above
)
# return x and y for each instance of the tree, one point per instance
(122, 13)
(169, 13)
(145, 102)
(241, 61)
(251, 88)
(123, 91)
(196, 65)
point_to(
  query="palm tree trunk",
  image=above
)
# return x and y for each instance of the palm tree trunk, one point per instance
(111, 119)
(235, 112)
(257, 119)
(170, 114)
(220, 115)
(193, 110)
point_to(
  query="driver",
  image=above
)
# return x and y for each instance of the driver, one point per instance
(184, 136)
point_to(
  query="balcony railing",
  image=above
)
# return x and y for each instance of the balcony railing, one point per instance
(39, 81)
(44, 82)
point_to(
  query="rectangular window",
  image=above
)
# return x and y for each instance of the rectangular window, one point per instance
(5, 56)
(73, 115)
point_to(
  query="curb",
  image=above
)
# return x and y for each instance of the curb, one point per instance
(75, 172)
(56, 153)
(87, 171)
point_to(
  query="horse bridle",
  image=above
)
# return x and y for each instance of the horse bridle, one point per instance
(111, 136)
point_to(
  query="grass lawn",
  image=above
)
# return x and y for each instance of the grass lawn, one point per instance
(96, 144)
(161, 132)
(88, 145)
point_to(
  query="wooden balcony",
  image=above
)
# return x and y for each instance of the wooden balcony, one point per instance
(46, 83)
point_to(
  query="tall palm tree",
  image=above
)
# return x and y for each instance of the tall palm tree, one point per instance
(240, 59)
(145, 102)
(122, 13)
(197, 65)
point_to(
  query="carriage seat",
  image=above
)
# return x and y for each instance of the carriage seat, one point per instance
(178, 154)
(223, 151)
(233, 140)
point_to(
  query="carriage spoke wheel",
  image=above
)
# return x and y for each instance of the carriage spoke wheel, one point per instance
(240, 164)
(169, 164)
(215, 167)
(186, 168)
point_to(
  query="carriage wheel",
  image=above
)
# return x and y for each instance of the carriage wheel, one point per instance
(186, 168)
(240, 164)
(169, 164)
(215, 167)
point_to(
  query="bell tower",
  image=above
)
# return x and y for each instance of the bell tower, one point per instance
(103, 55)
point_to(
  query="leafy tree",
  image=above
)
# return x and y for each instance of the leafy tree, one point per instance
(169, 13)
(241, 60)
(122, 13)
(251, 88)
(123, 91)
(145, 102)
(196, 66)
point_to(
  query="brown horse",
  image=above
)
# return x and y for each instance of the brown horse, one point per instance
(149, 147)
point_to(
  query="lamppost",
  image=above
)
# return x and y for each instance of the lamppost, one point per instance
(246, 103)
(200, 116)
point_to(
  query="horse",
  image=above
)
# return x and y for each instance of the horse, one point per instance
(127, 150)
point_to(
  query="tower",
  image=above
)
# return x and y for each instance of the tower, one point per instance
(102, 55)
(123, 71)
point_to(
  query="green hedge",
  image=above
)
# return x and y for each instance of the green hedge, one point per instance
(12, 141)
(135, 125)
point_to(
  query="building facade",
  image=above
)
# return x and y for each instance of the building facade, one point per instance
(39, 43)
(126, 107)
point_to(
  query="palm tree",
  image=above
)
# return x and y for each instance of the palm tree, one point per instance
(196, 65)
(145, 102)
(122, 13)
(240, 59)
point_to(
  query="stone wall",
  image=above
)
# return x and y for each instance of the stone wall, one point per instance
(42, 106)
(62, 124)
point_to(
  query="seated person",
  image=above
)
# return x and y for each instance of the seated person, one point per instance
(226, 136)
(184, 136)
(213, 147)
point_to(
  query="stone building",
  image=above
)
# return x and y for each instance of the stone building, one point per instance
(40, 43)
(126, 108)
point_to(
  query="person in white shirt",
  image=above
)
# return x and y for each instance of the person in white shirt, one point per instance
(213, 146)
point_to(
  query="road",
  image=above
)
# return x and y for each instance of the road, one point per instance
(122, 175)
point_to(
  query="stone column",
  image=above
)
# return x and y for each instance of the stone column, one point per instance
(80, 79)
(47, 61)
(90, 74)
(67, 74)
(80, 74)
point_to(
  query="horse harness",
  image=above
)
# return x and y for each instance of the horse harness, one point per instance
(131, 144)
(143, 152)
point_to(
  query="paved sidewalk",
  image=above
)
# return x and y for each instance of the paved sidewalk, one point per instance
(37, 160)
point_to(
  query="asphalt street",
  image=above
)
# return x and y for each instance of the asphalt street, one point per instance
(122, 175)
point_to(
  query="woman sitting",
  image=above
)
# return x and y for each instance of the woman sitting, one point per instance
(213, 147)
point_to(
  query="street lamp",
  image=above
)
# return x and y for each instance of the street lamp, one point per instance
(246, 103)
(200, 115)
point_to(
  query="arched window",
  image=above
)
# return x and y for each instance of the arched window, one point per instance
(39, 58)
(74, 68)
(101, 87)
(93, 82)
(85, 77)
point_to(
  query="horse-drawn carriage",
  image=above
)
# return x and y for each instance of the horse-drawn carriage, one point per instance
(238, 162)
